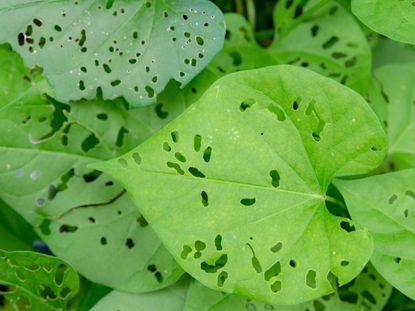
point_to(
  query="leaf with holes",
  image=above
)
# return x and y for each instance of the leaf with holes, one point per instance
(369, 291)
(385, 205)
(393, 99)
(31, 281)
(242, 175)
(117, 48)
(394, 19)
(324, 37)
(314, 39)
(171, 299)
(83, 215)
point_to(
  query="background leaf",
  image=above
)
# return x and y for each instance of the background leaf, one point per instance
(385, 205)
(392, 97)
(83, 215)
(120, 48)
(394, 19)
(201, 171)
(31, 281)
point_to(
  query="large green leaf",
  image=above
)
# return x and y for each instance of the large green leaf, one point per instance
(83, 215)
(242, 176)
(31, 281)
(393, 97)
(168, 299)
(394, 19)
(385, 205)
(120, 48)
(369, 291)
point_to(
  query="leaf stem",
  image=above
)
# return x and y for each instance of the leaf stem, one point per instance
(250, 8)
(239, 7)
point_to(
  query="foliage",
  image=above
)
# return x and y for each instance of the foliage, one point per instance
(207, 155)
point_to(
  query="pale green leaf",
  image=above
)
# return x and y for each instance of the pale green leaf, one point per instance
(168, 299)
(123, 48)
(369, 291)
(394, 19)
(385, 205)
(83, 215)
(393, 99)
(253, 220)
(32, 281)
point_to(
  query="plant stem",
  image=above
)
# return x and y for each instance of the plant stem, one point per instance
(250, 7)
(239, 7)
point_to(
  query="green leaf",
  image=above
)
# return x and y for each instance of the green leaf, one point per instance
(387, 52)
(83, 215)
(393, 99)
(120, 48)
(171, 299)
(245, 204)
(15, 233)
(37, 282)
(369, 291)
(314, 35)
(385, 206)
(394, 19)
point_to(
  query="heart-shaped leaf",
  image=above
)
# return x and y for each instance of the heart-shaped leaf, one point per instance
(393, 99)
(249, 220)
(83, 215)
(120, 48)
(369, 291)
(31, 281)
(394, 19)
(385, 205)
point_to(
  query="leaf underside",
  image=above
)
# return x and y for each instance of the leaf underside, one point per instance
(202, 171)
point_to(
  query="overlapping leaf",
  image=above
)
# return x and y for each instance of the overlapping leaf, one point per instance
(394, 19)
(392, 97)
(385, 205)
(253, 220)
(83, 215)
(31, 281)
(120, 48)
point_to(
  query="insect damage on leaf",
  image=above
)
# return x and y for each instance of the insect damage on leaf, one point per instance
(277, 190)
(117, 48)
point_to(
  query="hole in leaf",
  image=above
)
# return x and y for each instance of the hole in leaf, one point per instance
(197, 142)
(186, 251)
(90, 177)
(344, 263)
(367, 295)
(207, 154)
(123, 163)
(246, 104)
(175, 166)
(311, 279)
(393, 198)
(179, 156)
(292, 263)
(276, 286)
(330, 42)
(218, 242)
(68, 228)
(103, 241)
(345, 225)
(236, 58)
(196, 173)
(273, 271)
(248, 201)
(137, 158)
(276, 248)
(159, 112)
(205, 198)
(275, 178)
(89, 143)
(410, 194)
(219, 264)
(60, 273)
(222, 278)
(129, 243)
(174, 136)
(254, 261)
